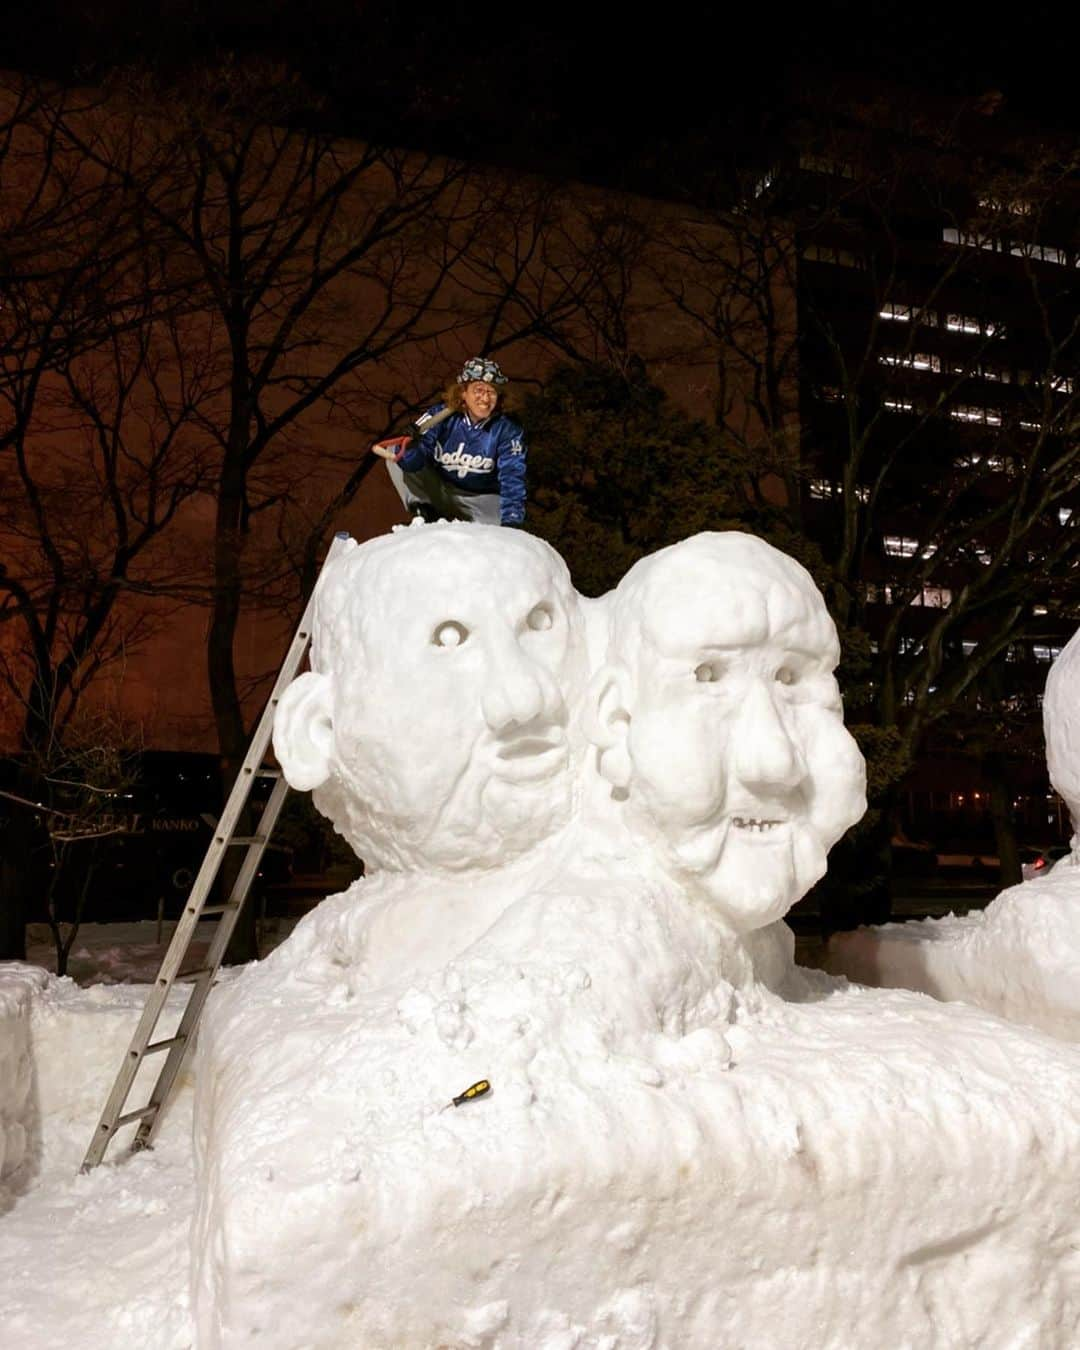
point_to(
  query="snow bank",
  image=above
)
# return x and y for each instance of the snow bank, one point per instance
(18, 1119)
(60, 1050)
(1019, 958)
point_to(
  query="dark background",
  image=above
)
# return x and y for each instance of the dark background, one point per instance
(601, 93)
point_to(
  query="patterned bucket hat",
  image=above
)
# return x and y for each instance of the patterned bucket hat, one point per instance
(480, 368)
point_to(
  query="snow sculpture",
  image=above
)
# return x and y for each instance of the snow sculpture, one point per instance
(670, 1154)
(1019, 957)
(1061, 726)
(717, 716)
(437, 725)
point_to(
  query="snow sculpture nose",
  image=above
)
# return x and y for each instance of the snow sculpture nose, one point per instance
(765, 755)
(518, 689)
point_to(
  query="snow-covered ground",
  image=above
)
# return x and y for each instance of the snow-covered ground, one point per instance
(104, 1259)
(100, 1259)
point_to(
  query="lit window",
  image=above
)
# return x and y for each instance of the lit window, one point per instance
(1065, 514)
(1061, 384)
(862, 493)
(981, 372)
(1041, 253)
(998, 463)
(935, 597)
(967, 412)
(830, 393)
(1014, 652)
(967, 647)
(972, 323)
(898, 313)
(968, 461)
(1026, 424)
(1043, 651)
(983, 554)
(929, 551)
(821, 489)
(910, 646)
(899, 405)
(909, 697)
(1038, 609)
(874, 647)
(765, 182)
(825, 164)
(911, 360)
(829, 253)
(900, 545)
(1014, 206)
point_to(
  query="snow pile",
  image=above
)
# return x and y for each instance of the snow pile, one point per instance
(60, 1049)
(669, 1153)
(17, 1115)
(100, 1258)
(1020, 957)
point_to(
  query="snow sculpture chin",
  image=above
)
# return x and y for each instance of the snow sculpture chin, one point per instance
(438, 724)
(718, 721)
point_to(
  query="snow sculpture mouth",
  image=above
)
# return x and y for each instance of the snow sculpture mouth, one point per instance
(755, 824)
(531, 755)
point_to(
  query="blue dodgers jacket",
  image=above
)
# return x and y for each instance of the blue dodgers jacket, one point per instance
(486, 457)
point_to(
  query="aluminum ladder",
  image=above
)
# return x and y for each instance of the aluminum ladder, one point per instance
(176, 1046)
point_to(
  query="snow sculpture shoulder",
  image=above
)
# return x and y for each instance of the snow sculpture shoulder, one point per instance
(718, 722)
(437, 725)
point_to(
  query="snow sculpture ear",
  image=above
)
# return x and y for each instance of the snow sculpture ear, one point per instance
(607, 722)
(304, 731)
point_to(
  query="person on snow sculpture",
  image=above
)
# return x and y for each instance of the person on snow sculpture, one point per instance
(469, 460)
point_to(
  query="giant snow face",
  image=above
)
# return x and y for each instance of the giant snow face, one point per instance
(719, 719)
(440, 724)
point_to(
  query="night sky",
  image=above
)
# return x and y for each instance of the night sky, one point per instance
(569, 89)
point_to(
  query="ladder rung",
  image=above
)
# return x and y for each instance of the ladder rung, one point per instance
(267, 773)
(218, 909)
(141, 1114)
(164, 1045)
(196, 974)
(246, 839)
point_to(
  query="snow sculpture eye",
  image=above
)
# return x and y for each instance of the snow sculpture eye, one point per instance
(786, 675)
(449, 634)
(540, 618)
(707, 673)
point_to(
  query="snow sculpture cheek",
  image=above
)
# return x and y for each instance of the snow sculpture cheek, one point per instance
(438, 727)
(717, 718)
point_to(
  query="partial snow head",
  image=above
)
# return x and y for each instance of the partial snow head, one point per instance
(437, 725)
(1061, 724)
(719, 722)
